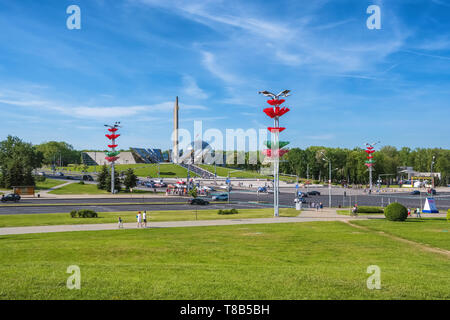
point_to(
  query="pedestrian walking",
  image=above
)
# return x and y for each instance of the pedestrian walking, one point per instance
(139, 219)
(321, 206)
(317, 206)
(144, 217)
(409, 212)
(120, 223)
(418, 213)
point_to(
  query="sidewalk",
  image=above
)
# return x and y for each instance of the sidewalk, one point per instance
(170, 224)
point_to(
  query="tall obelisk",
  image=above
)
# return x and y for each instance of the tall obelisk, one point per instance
(175, 152)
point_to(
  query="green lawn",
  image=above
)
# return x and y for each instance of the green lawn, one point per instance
(76, 188)
(167, 170)
(431, 231)
(312, 260)
(48, 184)
(18, 220)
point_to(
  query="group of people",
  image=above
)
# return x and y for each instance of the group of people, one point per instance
(417, 212)
(141, 218)
(317, 206)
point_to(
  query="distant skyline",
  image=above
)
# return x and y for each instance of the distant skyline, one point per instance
(131, 58)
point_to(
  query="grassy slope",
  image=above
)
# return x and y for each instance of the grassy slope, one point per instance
(76, 188)
(147, 170)
(17, 220)
(434, 232)
(316, 260)
(48, 184)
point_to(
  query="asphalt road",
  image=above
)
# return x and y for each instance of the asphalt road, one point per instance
(239, 199)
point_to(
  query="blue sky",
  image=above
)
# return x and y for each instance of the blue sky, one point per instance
(132, 57)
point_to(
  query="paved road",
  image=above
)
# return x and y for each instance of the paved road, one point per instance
(118, 208)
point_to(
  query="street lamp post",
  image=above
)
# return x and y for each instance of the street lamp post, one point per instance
(432, 178)
(112, 155)
(329, 180)
(275, 145)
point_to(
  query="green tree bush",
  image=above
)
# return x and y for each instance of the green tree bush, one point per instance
(396, 212)
(102, 177)
(130, 180)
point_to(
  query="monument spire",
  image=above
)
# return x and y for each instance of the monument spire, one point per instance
(175, 151)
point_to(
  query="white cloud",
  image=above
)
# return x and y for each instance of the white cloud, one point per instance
(191, 88)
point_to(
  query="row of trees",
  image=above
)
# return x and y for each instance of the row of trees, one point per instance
(349, 164)
(104, 179)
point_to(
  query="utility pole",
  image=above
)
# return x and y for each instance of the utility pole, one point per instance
(329, 180)
(432, 177)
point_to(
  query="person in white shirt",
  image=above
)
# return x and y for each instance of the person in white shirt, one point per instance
(139, 219)
(144, 216)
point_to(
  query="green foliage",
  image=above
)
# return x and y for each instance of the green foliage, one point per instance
(396, 212)
(102, 177)
(52, 151)
(40, 178)
(85, 213)
(130, 180)
(231, 211)
(117, 183)
(17, 160)
(193, 192)
(364, 209)
(448, 215)
(81, 182)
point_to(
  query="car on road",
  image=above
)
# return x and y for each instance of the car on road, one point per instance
(198, 201)
(60, 174)
(302, 194)
(262, 189)
(313, 193)
(150, 185)
(433, 192)
(88, 177)
(160, 184)
(10, 197)
(41, 174)
(220, 197)
(415, 193)
(207, 188)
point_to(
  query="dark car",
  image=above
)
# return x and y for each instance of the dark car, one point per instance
(433, 192)
(198, 201)
(88, 177)
(11, 197)
(313, 193)
(302, 194)
(415, 193)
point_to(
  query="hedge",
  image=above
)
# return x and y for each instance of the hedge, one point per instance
(396, 212)
(85, 213)
(232, 211)
(370, 210)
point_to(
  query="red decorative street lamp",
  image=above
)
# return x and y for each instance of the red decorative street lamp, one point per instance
(370, 162)
(112, 155)
(275, 146)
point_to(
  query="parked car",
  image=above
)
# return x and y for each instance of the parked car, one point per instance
(150, 185)
(11, 197)
(415, 193)
(313, 193)
(207, 188)
(60, 174)
(433, 192)
(220, 197)
(198, 201)
(41, 174)
(88, 177)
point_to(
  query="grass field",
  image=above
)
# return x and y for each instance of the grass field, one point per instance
(167, 170)
(312, 260)
(434, 232)
(21, 220)
(76, 188)
(48, 184)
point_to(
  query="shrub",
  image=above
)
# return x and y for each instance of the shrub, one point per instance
(81, 182)
(370, 210)
(232, 211)
(85, 213)
(396, 212)
(40, 178)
